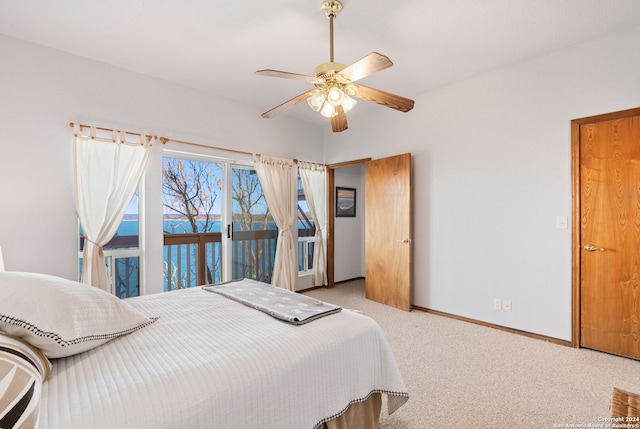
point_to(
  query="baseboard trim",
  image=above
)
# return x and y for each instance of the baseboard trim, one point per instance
(468, 319)
(499, 327)
(309, 289)
(325, 286)
(349, 280)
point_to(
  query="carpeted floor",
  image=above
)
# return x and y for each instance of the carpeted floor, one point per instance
(465, 375)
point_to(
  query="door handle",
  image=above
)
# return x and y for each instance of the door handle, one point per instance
(592, 248)
(405, 241)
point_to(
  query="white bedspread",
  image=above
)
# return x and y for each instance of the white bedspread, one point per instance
(210, 362)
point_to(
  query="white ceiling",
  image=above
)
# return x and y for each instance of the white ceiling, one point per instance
(215, 45)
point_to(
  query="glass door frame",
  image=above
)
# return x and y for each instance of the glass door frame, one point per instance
(226, 166)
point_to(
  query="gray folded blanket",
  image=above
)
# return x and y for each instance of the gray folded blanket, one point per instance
(282, 304)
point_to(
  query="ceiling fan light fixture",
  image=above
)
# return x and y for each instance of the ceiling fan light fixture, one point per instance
(335, 96)
(328, 111)
(348, 103)
(315, 100)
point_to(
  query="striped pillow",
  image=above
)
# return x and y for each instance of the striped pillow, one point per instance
(23, 369)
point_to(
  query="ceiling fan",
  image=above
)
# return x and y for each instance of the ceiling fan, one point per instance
(335, 82)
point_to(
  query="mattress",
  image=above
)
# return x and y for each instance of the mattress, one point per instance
(211, 362)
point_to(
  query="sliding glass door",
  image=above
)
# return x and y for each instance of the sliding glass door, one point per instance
(252, 229)
(193, 194)
(217, 225)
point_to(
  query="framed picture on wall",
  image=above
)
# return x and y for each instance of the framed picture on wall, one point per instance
(345, 202)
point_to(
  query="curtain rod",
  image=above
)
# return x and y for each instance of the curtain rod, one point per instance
(165, 140)
(149, 137)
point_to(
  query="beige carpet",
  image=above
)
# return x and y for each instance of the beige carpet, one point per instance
(464, 375)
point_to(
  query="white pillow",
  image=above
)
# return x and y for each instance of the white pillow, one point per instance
(63, 317)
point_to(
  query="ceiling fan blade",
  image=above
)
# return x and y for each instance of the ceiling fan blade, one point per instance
(287, 104)
(384, 98)
(339, 121)
(287, 75)
(372, 63)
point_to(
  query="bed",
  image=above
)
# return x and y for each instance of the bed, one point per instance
(196, 359)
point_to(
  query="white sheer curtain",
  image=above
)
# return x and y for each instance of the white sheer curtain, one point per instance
(276, 177)
(314, 184)
(107, 173)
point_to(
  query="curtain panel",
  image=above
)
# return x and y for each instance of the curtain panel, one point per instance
(314, 184)
(276, 177)
(107, 173)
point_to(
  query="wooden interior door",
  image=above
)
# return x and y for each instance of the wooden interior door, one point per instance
(388, 227)
(609, 186)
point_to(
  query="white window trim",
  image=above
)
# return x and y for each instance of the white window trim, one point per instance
(306, 271)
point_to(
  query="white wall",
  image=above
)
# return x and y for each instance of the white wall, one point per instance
(492, 170)
(349, 231)
(44, 89)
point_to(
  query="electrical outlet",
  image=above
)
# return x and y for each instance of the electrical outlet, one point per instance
(506, 305)
(497, 304)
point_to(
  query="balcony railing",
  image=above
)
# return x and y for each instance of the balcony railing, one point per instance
(191, 259)
(122, 259)
(195, 259)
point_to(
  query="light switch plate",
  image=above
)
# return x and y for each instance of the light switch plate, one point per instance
(562, 222)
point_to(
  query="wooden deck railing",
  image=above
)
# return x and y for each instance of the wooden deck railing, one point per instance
(195, 259)
(190, 259)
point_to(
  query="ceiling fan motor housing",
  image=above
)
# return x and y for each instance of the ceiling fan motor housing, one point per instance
(328, 68)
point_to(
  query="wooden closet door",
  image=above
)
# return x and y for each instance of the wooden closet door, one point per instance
(610, 235)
